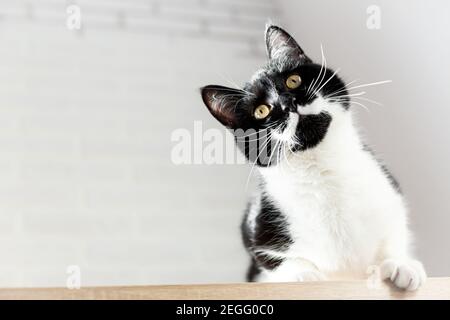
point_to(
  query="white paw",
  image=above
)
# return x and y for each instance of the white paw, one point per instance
(311, 275)
(407, 275)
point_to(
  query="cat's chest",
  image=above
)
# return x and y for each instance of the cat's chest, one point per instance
(308, 188)
(310, 198)
(319, 216)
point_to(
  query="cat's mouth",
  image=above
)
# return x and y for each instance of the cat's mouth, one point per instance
(290, 129)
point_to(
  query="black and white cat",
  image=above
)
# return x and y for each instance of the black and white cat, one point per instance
(326, 209)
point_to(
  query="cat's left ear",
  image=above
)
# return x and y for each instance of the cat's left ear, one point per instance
(222, 103)
(279, 44)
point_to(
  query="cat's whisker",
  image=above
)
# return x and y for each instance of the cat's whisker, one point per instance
(351, 82)
(352, 96)
(265, 128)
(262, 149)
(348, 88)
(287, 147)
(284, 146)
(309, 87)
(279, 156)
(322, 67)
(322, 78)
(370, 100)
(314, 88)
(343, 89)
(346, 95)
(270, 132)
(329, 79)
(273, 153)
(360, 104)
(264, 144)
(244, 139)
(343, 99)
(332, 96)
(251, 140)
(254, 163)
(370, 84)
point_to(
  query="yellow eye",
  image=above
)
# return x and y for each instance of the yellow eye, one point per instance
(293, 82)
(261, 111)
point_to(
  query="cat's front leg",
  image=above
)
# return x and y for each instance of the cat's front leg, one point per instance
(292, 270)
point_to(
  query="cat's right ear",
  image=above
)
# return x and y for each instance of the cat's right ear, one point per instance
(221, 102)
(279, 43)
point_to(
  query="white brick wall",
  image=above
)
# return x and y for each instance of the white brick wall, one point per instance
(85, 123)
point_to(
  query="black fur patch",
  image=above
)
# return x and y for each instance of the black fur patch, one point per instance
(312, 130)
(271, 227)
(252, 271)
(270, 233)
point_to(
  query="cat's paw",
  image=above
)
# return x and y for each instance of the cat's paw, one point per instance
(311, 275)
(407, 275)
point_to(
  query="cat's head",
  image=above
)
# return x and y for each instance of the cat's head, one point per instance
(291, 96)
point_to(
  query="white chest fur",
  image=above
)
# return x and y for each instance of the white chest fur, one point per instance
(337, 201)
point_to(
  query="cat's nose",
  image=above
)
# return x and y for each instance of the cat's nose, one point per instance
(293, 106)
(289, 102)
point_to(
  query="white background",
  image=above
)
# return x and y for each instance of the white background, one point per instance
(86, 118)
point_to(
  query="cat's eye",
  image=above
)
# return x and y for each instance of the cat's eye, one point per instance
(293, 81)
(261, 111)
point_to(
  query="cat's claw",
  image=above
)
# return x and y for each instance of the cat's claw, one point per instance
(408, 275)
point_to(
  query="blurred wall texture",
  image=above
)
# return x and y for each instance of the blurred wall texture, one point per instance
(86, 176)
(86, 117)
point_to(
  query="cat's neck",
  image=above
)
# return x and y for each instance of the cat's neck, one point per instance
(337, 151)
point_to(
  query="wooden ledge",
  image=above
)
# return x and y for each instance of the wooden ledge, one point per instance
(435, 288)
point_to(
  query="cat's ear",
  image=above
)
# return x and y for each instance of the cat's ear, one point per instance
(221, 102)
(279, 44)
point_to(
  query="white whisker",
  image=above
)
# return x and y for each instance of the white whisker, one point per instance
(331, 77)
(257, 157)
(370, 84)
(370, 100)
(322, 67)
(360, 104)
